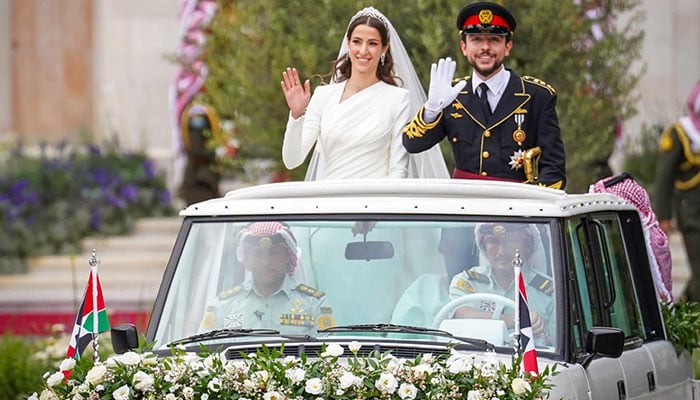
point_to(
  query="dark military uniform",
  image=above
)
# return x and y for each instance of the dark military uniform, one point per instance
(496, 146)
(677, 189)
(200, 182)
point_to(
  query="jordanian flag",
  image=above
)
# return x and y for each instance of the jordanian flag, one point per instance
(84, 329)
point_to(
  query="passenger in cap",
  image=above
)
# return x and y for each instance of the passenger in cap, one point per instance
(498, 243)
(501, 126)
(270, 297)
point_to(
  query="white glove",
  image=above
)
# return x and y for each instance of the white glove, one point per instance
(441, 93)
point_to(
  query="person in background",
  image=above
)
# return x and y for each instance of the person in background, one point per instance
(677, 185)
(501, 126)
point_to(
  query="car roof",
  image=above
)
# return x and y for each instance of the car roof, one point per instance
(405, 196)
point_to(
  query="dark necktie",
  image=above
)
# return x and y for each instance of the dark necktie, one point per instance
(483, 98)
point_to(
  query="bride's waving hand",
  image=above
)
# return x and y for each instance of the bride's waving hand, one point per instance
(297, 96)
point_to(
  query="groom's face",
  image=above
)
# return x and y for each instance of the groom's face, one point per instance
(485, 52)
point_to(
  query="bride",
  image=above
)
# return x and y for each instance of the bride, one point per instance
(354, 124)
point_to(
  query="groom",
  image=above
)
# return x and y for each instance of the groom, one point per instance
(501, 126)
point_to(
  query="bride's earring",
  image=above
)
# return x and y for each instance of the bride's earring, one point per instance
(381, 59)
(347, 56)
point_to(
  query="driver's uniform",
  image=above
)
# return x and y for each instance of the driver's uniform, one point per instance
(539, 287)
(294, 308)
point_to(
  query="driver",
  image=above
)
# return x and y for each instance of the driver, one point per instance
(270, 297)
(498, 243)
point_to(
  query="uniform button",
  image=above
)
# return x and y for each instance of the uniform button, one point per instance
(454, 139)
(485, 154)
(487, 133)
(484, 173)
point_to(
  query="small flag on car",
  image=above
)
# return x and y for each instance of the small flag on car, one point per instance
(91, 319)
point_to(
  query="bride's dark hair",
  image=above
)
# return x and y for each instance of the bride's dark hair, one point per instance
(341, 69)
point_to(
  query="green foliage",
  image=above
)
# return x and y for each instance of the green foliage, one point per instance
(641, 154)
(253, 41)
(682, 321)
(20, 374)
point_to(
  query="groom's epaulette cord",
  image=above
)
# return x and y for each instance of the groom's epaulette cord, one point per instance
(540, 83)
(417, 127)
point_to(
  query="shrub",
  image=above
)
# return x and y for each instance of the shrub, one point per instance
(51, 200)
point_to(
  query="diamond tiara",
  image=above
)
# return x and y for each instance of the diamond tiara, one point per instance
(371, 12)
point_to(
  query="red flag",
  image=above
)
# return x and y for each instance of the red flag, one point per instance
(527, 337)
(84, 327)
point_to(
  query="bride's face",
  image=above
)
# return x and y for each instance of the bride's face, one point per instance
(365, 49)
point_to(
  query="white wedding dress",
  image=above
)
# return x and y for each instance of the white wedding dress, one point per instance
(359, 137)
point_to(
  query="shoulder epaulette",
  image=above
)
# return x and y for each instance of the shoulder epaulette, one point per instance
(542, 283)
(228, 293)
(306, 289)
(540, 83)
(478, 276)
(464, 78)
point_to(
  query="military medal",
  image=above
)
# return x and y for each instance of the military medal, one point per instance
(297, 317)
(519, 134)
(517, 159)
(233, 320)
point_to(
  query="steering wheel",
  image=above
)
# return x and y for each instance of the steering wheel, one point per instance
(448, 310)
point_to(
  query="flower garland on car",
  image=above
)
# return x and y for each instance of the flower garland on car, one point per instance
(268, 375)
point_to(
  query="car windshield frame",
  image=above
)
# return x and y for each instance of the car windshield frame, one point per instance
(160, 321)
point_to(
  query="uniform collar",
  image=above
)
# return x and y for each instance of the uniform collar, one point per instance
(497, 83)
(288, 284)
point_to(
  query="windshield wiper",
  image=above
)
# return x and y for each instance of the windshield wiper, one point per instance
(225, 333)
(393, 328)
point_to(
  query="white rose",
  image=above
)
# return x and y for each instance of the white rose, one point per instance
(273, 396)
(407, 391)
(457, 365)
(474, 395)
(393, 365)
(422, 370)
(149, 358)
(386, 383)
(46, 394)
(129, 358)
(354, 346)
(347, 380)
(96, 375)
(333, 350)
(248, 385)
(142, 381)
(314, 386)
(122, 393)
(214, 385)
(209, 361)
(170, 396)
(295, 375)
(54, 379)
(289, 360)
(520, 386)
(34, 396)
(188, 392)
(261, 376)
(67, 364)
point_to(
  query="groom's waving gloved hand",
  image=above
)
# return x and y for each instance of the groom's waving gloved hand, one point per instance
(441, 93)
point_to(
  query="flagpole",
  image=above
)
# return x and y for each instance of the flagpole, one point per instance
(517, 263)
(95, 311)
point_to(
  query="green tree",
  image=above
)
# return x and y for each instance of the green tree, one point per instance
(253, 41)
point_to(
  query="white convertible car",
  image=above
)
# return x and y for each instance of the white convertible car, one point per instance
(398, 265)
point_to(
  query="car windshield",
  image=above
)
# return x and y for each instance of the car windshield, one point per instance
(310, 277)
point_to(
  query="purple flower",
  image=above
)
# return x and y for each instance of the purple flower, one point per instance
(129, 192)
(149, 169)
(165, 198)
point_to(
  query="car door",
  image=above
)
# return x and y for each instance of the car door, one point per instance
(605, 296)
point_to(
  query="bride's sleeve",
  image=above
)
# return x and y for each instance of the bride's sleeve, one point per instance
(301, 134)
(398, 156)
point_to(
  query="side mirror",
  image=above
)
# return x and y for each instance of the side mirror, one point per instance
(369, 250)
(603, 342)
(124, 338)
